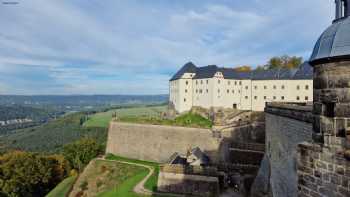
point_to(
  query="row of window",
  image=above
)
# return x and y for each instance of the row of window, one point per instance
(274, 98)
(255, 87)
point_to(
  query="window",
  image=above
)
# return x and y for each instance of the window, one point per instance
(239, 91)
(218, 90)
(186, 82)
(184, 100)
(274, 87)
(185, 90)
(298, 98)
(255, 97)
(246, 87)
(196, 82)
(201, 81)
(306, 98)
(282, 97)
(228, 91)
(235, 82)
(218, 81)
(233, 91)
(246, 97)
(240, 83)
(200, 91)
(274, 97)
(255, 87)
(207, 91)
(207, 81)
(265, 87)
(298, 87)
(196, 91)
(282, 87)
(306, 87)
(264, 97)
(229, 82)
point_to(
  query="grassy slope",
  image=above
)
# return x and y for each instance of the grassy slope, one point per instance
(62, 189)
(52, 136)
(103, 119)
(151, 183)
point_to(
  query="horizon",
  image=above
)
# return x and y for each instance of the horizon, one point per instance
(103, 48)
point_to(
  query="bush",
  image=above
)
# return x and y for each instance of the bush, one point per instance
(81, 152)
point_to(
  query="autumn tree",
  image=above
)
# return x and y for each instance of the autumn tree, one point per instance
(284, 61)
(30, 174)
(81, 152)
(244, 68)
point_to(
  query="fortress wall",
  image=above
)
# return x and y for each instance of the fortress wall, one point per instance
(323, 170)
(157, 143)
(286, 127)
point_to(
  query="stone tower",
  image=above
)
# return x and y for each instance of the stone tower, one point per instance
(331, 62)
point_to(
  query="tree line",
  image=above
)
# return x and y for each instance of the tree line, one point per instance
(284, 61)
(35, 174)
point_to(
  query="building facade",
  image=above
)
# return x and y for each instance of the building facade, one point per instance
(211, 86)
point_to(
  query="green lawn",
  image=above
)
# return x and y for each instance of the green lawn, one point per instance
(102, 119)
(151, 183)
(185, 120)
(62, 189)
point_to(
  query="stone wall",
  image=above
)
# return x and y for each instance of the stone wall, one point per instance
(323, 170)
(158, 143)
(286, 127)
(194, 185)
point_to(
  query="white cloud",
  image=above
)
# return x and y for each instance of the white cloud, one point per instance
(112, 46)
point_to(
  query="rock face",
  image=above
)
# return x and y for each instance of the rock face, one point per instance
(261, 186)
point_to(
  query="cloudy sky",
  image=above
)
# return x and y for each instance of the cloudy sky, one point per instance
(134, 46)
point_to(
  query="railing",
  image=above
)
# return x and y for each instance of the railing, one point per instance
(248, 146)
(190, 170)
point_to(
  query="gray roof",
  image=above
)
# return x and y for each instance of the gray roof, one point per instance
(197, 152)
(187, 68)
(334, 43)
(304, 71)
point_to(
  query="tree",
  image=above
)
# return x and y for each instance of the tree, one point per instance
(284, 61)
(81, 152)
(244, 68)
(29, 174)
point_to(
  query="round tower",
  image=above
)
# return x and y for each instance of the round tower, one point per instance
(331, 62)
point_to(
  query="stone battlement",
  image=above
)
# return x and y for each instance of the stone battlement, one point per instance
(301, 112)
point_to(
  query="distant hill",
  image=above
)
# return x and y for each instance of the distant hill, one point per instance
(52, 136)
(82, 99)
(22, 112)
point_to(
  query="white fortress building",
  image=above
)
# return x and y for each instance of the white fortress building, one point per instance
(211, 86)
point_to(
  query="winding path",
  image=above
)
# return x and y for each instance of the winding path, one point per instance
(139, 188)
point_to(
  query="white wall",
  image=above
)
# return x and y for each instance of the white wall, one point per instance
(245, 94)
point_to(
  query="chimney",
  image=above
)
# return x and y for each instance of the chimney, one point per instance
(346, 8)
(338, 9)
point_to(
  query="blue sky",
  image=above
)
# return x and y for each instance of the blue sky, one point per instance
(133, 47)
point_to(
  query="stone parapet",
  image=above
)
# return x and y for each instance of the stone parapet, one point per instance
(301, 112)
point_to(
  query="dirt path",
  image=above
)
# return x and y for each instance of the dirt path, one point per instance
(139, 188)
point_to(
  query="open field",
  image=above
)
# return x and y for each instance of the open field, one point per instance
(102, 119)
(62, 189)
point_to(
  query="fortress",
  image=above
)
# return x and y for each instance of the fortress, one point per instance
(212, 86)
